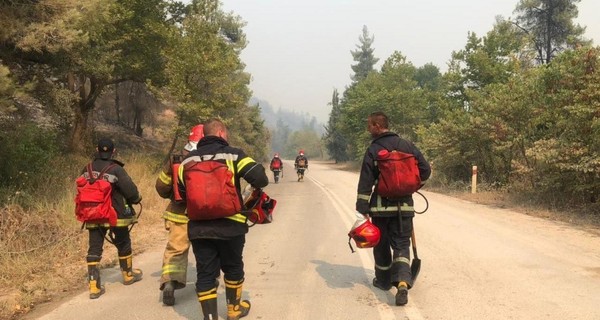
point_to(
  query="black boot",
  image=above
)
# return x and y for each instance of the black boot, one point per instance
(168, 293)
(208, 304)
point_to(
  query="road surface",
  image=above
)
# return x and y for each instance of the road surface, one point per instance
(478, 262)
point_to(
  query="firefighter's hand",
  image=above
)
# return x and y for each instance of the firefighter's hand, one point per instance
(362, 207)
(137, 201)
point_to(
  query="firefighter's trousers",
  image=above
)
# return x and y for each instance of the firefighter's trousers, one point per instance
(392, 253)
(175, 258)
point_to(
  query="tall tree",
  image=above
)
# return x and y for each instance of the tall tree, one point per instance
(364, 57)
(550, 25)
(335, 141)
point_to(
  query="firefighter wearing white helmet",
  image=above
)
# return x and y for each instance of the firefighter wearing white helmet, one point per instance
(175, 259)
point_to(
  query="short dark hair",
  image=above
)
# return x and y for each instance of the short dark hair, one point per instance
(212, 126)
(379, 118)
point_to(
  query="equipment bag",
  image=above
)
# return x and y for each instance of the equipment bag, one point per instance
(93, 202)
(210, 190)
(398, 174)
(301, 162)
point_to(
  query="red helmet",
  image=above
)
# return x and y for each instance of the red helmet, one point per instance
(301, 152)
(196, 133)
(365, 234)
(262, 207)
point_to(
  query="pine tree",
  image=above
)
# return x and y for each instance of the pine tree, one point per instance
(363, 55)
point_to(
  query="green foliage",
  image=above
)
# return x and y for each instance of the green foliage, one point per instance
(25, 152)
(335, 141)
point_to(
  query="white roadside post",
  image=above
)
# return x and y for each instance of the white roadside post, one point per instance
(474, 180)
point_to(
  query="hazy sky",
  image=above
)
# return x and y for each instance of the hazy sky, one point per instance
(299, 50)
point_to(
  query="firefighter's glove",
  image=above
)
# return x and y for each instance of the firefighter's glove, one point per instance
(137, 201)
(362, 206)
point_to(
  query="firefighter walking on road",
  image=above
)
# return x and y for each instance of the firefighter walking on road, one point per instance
(175, 258)
(124, 194)
(393, 217)
(218, 242)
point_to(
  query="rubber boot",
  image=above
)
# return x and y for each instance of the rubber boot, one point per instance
(402, 294)
(168, 293)
(236, 308)
(96, 287)
(130, 275)
(208, 304)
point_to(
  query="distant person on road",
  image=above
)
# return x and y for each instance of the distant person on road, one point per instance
(276, 166)
(218, 243)
(301, 164)
(392, 253)
(175, 258)
(124, 194)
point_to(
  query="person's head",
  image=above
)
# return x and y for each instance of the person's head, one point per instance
(377, 123)
(196, 133)
(276, 155)
(301, 152)
(215, 127)
(105, 148)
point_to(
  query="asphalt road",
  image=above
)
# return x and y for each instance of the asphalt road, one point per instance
(478, 262)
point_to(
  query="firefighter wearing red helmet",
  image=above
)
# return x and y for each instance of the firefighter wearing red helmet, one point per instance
(276, 166)
(175, 258)
(301, 164)
(393, 217)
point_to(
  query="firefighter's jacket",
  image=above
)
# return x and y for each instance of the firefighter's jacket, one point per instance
(243, 167)
(124, 191)
(368, 201)
(175, 210)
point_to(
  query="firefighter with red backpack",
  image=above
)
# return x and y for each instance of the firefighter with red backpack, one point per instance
(175, 258)
(209, 181)
(123, 194)
(276, 166)
(391, 213)
(301, 164)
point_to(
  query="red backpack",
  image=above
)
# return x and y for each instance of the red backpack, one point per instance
(210, 190)
(93, 202)
(276, 164)
(398, 174)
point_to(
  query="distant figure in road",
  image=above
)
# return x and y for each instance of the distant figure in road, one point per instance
(175, 258)
(218, 239)
(393, 217)
(124, 194)
(301, 164)
(276, 166)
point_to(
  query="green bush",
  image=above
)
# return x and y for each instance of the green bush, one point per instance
(25, 153)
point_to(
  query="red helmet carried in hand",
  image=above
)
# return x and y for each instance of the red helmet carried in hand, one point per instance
(365, 234)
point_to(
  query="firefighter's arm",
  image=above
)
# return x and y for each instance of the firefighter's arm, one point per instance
(128, 189)
(252, 172)
(365, 184)
(164, 182)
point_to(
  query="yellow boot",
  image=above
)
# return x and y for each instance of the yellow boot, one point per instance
(96, 287)
(130, 275)
(236, 308)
